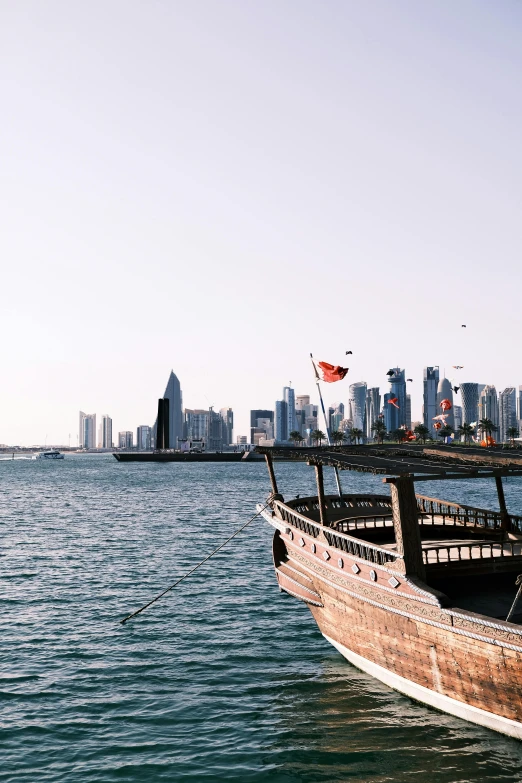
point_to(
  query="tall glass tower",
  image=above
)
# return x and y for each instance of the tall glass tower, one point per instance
(429, 408)
(507, 412)
(397, 389)
(289, 398)
(373, 409)
(357, 405)
(470, 398)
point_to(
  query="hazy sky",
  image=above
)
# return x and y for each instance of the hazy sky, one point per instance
(222, 187)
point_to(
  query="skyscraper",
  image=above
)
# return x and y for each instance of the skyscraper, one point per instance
(519, 406)
(392, 419)
(470, 398)
(507, 411)
(488, 406)
(311, 421)
(125, 439)
(106, 432)
(395, 417)
(408, 412)
(373, 409)
(255, 415)
(335, 416)
(289, 398)
(357, 405)
(87, 433)
(173, 393)
(457, 417)
(196, 424)
(215, 431)
(281, 421)
(227, 418)
(429, 408)
(445, 392)
(143, 437)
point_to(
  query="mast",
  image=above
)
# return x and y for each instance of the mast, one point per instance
(327, 427)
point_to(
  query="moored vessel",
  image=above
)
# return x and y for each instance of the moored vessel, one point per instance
(414, 590)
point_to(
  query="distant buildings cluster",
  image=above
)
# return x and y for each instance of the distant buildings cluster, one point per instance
(187, 429)
(366, 406)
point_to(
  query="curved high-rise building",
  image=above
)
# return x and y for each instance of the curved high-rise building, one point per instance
(173, 393)
(445, 392)
(470, 399)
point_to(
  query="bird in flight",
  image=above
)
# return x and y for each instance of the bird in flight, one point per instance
(390, 372)
(455, 388)
(347, 352)
(463, 326)
(458, 366)
(410, 379)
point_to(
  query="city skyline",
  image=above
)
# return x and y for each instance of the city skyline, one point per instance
(363, 407)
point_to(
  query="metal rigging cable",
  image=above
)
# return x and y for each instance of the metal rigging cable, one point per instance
(138, 611)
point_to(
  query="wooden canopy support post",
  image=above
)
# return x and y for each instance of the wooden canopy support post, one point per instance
(320, 493)
(273, 482)
(406, 525)
(506, 520)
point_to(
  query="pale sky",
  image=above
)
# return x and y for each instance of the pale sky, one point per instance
(222, 187)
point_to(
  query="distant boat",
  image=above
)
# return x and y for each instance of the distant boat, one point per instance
(53, 454)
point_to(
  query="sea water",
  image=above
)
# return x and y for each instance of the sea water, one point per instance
(225, 678)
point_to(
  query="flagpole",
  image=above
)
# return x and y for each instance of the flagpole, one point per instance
(318, 380)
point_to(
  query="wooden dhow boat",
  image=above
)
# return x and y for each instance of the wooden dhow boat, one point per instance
(413, 590)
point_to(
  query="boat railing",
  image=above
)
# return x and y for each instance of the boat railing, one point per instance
(360, 549)
(458, 514)
(432, 511)
(448, 553)
(336, 504)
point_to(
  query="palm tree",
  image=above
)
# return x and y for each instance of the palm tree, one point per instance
(512, 433)
(422, 432)
(487, 428)
(318, 436)
(445, 431)
(466, 431)
(296, 437)
(379, 430)
(338, 437)
(399, 434)
(356, 433)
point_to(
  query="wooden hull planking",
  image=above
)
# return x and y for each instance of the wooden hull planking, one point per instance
(395, 628)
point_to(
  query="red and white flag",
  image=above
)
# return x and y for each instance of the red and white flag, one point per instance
(328, 372)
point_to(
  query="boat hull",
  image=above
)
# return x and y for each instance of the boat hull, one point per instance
(395, 628)
(426, 696)
(172, 456)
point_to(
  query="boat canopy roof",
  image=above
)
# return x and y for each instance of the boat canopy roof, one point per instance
(423, 463)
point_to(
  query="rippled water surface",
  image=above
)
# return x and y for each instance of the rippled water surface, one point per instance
(225, 678)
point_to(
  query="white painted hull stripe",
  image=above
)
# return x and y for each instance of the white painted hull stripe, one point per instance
(432, 698)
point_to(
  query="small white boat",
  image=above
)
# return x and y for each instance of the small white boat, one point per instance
(53, 454)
